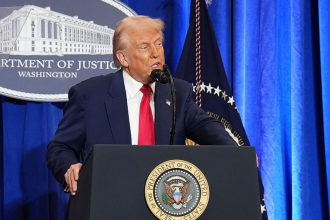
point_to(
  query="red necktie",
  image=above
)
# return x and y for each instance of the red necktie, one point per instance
(146, 121)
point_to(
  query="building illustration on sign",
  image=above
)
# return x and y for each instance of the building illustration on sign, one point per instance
(32, 30)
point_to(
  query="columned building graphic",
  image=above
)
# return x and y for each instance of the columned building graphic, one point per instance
(32, 30)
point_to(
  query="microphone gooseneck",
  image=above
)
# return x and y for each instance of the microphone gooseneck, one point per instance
(164, 76)
(173, 94)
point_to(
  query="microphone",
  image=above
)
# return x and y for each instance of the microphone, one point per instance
(160, 76)
(164, 76)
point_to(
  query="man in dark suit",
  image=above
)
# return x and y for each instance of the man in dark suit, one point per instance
(107, 109)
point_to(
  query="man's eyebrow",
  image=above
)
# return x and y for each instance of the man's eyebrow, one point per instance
(147, 42)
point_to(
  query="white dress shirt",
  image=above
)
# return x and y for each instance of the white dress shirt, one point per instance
(134, 97)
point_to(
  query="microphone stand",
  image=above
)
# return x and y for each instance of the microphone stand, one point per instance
(164, 76)
(173, 95)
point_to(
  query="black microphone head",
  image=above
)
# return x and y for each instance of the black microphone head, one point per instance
(159, 76)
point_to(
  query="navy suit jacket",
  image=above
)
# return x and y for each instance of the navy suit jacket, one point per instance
(97, 113)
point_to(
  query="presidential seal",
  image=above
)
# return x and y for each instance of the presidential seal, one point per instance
(177, 189)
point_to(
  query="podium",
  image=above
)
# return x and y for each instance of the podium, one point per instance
(113, 183)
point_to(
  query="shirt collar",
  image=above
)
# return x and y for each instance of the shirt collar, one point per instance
(132, 86)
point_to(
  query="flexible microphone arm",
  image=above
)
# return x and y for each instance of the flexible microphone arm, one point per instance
(164, 76)
(173, 95)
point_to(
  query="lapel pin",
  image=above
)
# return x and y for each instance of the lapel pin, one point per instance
(168, 102)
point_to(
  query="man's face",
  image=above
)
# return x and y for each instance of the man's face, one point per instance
(143, 53)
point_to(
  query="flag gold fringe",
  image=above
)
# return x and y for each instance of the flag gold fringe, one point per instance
(190, 143)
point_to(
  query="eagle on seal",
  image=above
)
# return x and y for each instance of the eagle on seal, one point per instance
(177, 193)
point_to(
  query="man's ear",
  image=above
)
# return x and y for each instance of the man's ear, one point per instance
(121, 56)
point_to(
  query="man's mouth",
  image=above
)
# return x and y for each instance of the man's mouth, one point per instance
(156, 65)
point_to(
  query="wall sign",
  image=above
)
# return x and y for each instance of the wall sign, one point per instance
(48, 46)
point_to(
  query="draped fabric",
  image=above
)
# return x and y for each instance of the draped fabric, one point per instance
(30, 191)
(277, 58)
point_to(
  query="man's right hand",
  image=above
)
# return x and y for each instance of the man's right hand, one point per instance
(71, 177)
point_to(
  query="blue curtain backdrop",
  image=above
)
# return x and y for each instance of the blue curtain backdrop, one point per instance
(277, 58)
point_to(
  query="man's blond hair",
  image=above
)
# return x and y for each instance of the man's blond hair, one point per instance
(129, 24)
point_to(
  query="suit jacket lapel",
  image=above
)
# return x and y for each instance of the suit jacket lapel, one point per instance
(163, 113)
(116, 107)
